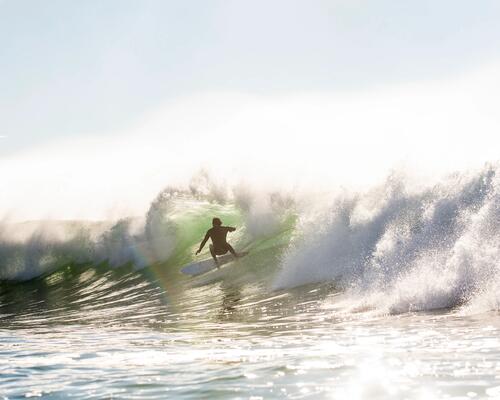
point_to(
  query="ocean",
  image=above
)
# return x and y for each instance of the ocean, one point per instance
(388, 293)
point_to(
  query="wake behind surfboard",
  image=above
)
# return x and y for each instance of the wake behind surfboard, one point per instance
(200, 267)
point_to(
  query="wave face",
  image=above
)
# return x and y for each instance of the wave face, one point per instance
(395, 248)
(170, 230)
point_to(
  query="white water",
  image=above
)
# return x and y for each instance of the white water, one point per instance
(396, 248)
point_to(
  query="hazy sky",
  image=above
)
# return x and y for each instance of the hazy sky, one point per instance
(105, 102)
(71, 68)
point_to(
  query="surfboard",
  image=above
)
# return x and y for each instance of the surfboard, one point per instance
(200, 267)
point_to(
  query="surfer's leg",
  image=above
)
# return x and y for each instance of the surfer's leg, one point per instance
(231, 250)
(212, 251)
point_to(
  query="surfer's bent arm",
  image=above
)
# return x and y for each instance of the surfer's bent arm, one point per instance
(203, 242)
(230, 228)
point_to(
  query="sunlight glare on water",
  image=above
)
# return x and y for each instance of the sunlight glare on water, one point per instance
(249, 344)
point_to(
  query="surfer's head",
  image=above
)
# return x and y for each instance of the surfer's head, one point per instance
(216, 222)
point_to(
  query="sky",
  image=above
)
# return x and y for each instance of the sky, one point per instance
(98, 95)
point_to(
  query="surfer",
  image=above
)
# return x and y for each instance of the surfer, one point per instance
(219, 244)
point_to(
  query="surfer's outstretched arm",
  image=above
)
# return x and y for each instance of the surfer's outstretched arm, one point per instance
(203, 242)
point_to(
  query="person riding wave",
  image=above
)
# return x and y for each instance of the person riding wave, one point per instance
(219, 244)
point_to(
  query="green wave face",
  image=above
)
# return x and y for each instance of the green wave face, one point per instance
(191, 220)
(166, 238)
(125, 293)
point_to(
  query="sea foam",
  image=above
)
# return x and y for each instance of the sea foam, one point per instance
(398, 248)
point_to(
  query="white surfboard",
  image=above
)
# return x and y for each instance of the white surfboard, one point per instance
(200, 267)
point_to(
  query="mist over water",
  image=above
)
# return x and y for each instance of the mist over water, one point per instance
(305, 141)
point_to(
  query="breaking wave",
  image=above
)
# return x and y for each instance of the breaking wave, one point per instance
(174, 224)
(398, 247)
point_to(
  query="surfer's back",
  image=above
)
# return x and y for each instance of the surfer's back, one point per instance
(218, 234)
